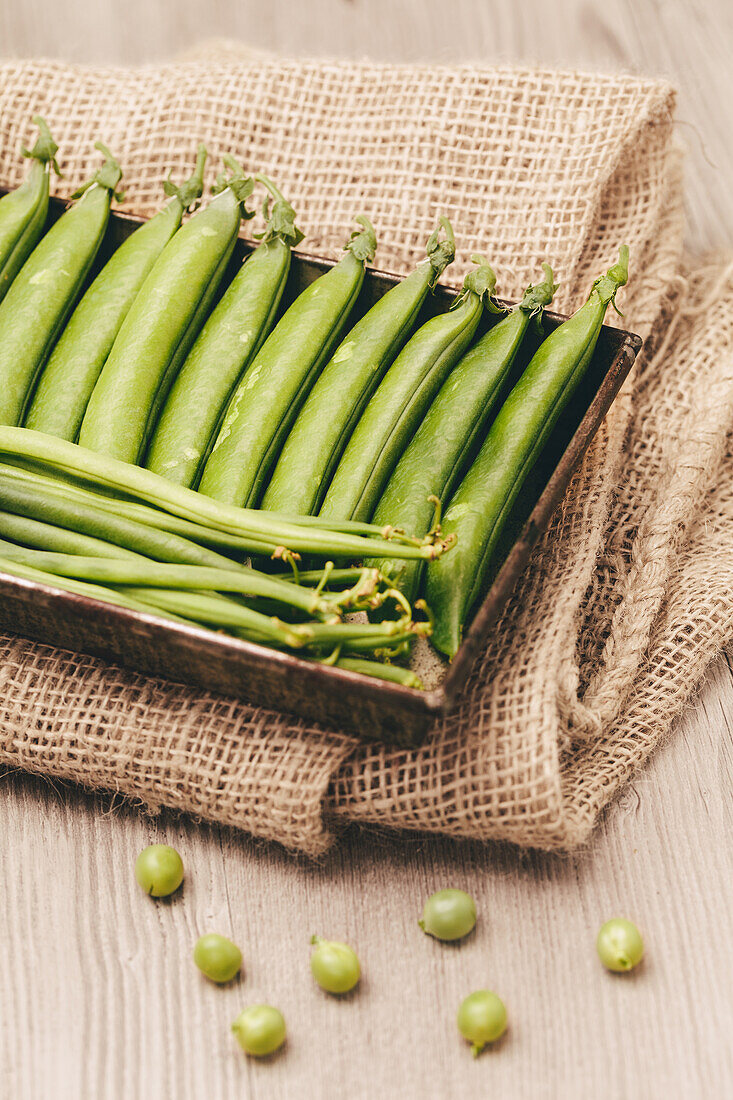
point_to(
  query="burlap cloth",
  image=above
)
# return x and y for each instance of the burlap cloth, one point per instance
(629, 596)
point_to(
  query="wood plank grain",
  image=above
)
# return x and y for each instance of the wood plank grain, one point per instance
(101, 997)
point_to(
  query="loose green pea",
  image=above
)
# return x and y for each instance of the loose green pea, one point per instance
(260, 1030)
(481, 1019)
(619, 945)
(449, 915)
(334, 965)
(159, 870)
(217, 957)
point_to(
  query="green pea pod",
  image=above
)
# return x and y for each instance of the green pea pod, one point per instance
(441, 448)
(478, 510)
(23, 211)
(399, 404)
(270, 392)
(162, 324)
(67, 382)
(43, 293)
(226, 345)
(337, 400)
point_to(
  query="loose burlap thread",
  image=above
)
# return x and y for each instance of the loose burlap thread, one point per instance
(627, 597)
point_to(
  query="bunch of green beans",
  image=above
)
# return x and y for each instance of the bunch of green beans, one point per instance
(64, 520)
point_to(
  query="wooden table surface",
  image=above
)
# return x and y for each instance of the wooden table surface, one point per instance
(99, 996)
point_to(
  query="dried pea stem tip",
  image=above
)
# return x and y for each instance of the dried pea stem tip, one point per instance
(45, 149)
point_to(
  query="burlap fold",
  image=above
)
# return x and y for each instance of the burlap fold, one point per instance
(627, 598)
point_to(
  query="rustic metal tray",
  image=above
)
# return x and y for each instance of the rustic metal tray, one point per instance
(333, 696)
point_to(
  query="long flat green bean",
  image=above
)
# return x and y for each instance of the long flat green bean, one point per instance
(105, 473)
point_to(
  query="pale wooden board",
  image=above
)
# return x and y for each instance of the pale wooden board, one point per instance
(99, 996)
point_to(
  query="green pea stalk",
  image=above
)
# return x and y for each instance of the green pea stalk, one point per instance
(23, 211)
(72, 371)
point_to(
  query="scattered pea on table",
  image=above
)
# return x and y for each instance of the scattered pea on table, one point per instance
(334, 965)
(481, 1019)
(449, 915)
(159, 870)
(260, 1030)
(217, 957)
(619, 945)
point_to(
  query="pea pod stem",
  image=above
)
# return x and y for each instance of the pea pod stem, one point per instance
(105, 473)
(45, 148)
(280, 221)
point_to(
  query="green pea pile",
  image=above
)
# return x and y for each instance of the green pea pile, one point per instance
(448, 915)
